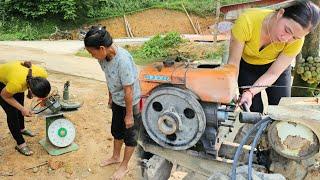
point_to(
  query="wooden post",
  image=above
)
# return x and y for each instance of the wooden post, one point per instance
(198, 26)
(194, 28)
(215, 30)
(126, 26)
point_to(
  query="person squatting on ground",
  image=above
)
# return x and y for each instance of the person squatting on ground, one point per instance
(15, 79)
(263, 45)
(124, 94)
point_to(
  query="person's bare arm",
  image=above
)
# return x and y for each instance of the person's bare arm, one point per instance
(13, 102)
(268, 78)
(110, 99)
(235, 52)
(128, 98)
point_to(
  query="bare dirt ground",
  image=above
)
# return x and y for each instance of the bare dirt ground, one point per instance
(156, 21)
(92, 123)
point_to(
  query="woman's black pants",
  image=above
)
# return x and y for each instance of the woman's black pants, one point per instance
(249, 74)
(15, 119)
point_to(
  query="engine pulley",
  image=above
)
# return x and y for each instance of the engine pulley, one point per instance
(173, 118)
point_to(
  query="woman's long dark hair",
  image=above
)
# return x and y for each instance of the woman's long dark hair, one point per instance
(303, 12)
(38, 86)
(98, 36)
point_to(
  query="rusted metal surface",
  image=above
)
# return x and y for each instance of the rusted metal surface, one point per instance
(303, 116)
(209, 84)
(292, 140)
(297, 143)
(156, 74)
(178, 75)
(213, 85)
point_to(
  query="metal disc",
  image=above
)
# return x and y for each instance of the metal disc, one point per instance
(292, 140)
(73, 102)
(70, 105)
(173, 118)
(61, 132)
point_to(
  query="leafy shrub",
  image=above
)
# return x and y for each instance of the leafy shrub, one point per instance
(158, 46)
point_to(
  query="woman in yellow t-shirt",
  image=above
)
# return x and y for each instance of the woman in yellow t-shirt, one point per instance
(15, 78)
(263, 45)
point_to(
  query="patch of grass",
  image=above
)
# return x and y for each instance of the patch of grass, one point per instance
(213, 55)
(156, 48)
(138, 58)
(190, 50)
(160, 47)
(83, 53)
(18, 30)
(198, 7)
(23, 29)
(217, 54)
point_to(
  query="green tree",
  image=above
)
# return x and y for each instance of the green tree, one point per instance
(34, 9)
(310, 49)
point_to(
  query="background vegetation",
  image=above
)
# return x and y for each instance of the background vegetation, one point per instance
(37, 19)
(171, 45)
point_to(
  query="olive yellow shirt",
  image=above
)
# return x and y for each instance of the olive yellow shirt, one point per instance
(14, 76)
(247, 29)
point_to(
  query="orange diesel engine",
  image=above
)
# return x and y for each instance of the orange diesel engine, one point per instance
(185, 102)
